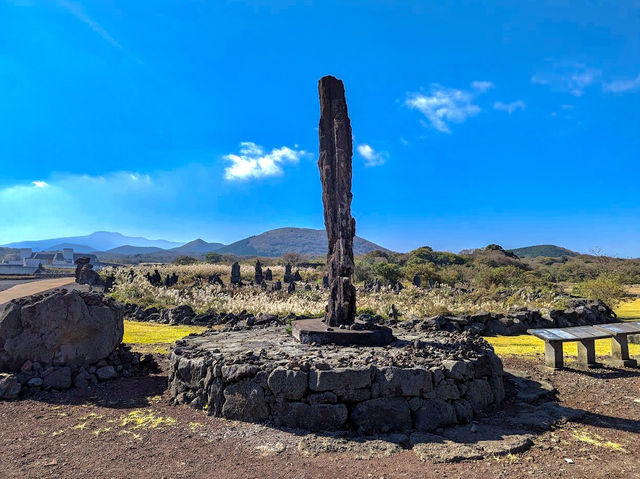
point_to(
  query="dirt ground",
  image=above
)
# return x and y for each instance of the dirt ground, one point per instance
(126, 428)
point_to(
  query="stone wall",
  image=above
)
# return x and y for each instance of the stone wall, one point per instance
(419, 383)
(579, 312)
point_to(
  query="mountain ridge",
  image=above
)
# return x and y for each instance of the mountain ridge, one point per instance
(548, 250)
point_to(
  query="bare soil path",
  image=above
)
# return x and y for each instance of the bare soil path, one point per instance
(127, 428)
(32, 287)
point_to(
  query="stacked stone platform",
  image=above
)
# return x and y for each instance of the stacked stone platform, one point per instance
(421, 382)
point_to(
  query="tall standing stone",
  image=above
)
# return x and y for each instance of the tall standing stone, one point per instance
(235, 273)
(334, 163)
(288, 276)
(258, 274)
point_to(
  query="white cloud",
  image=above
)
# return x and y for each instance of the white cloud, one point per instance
(40, 184)
(621, 86)
(254, 162)
(443, 105)
(569, 77)
(77, 11)
(482, 86)
(371, 156)
(509, 107)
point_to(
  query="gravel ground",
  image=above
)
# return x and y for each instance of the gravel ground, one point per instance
(126, 428)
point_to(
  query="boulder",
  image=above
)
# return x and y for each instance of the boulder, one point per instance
(381, 415)
(9, 386)
(288, 384)
(245, 401)
(106, 372)
(63, 328)
(433, 414)
(315, 417)
(58, 378)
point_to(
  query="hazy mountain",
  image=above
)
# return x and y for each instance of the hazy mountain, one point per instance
(304, 241)
(128, 249)
(77, 248)
(197, 247)
(548, 250)
(100, 241)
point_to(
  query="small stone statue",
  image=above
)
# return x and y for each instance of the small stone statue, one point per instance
(258, 274)
(235, 274)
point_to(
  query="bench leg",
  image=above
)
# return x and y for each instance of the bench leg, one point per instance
(587, 353)
(620, 352)
(553, 354)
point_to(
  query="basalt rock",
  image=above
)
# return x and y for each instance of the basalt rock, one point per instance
(334, 162)
(235, 274)
(85, 273)
(258, 273)
(61, 328)
(268, 275)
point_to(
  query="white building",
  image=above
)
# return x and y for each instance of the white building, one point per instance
(64, 259)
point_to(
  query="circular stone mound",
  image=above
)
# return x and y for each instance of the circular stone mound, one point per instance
(421, 382)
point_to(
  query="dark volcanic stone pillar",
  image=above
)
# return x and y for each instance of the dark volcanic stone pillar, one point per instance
(258, 273)
(335, 173)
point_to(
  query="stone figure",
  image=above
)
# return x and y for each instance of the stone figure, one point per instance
(268, 275)
(416, 280)
(258, 274)
(235, 274)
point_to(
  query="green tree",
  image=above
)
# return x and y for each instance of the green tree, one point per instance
(184, 260)
(388, 271)
(213, 257)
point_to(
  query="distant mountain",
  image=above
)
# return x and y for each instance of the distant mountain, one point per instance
(304, 241)
(547, 250)
(197, 247)
(100, 241)
(77, 248)
(128, 249)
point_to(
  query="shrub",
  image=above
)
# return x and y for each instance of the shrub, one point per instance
(388, 271)
(606, 287)
(213, 257)
(184, 260)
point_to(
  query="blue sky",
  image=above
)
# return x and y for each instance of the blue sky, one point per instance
(474, 122)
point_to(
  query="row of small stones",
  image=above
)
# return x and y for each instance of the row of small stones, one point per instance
(34, 376)
(367, 400)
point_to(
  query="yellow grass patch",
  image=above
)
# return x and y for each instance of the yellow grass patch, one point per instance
(527, 345)
(629, 310)
(585, 436)
(156, 338)
(139, 419)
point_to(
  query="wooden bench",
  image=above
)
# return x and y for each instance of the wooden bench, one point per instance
(554, 339)
(620, 342)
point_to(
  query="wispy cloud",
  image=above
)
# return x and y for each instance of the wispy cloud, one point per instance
(371, 156)
(40, 184)
(621, 86)
(482, 86)
(509, 107)
(253, 161)
(569, 77)
(441, 105)
(77, 11)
